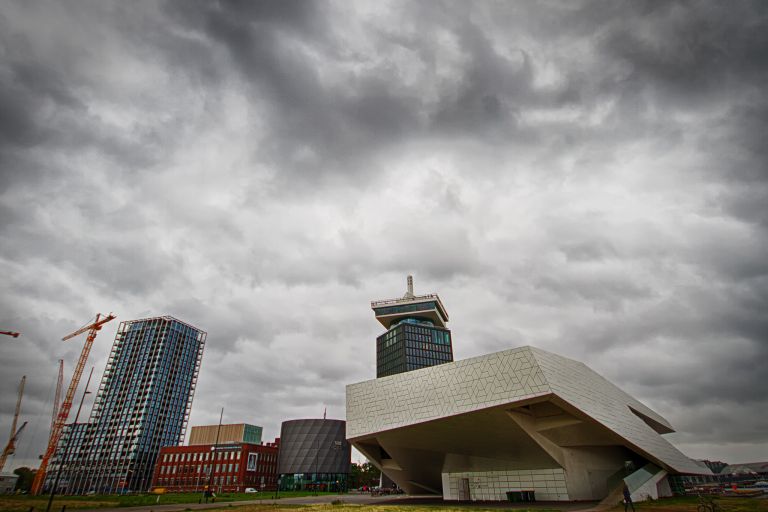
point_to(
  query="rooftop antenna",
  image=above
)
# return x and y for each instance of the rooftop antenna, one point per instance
(409, 293)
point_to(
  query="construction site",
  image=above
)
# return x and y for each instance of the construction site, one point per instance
(142, 403)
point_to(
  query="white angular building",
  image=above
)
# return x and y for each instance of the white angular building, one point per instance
(517, 420)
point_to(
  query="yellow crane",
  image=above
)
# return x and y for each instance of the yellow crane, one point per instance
(93, 329)
(10, 448)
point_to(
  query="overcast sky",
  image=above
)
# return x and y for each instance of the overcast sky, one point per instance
(590, 178)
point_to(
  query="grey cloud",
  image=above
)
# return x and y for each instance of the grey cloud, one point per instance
(607, 291)
(587, 177)
(693, 51)
(589, 250)
(715, 421)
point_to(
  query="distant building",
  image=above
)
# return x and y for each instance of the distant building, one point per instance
(416, 334)
(8, 482)
(314, 455)
(747, 468)
(233, 433)
(744, 472)
(231, 467)
(143, 403)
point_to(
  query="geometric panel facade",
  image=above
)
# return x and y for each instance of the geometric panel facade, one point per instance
(492, 421)
(548, 484)
(445, 390)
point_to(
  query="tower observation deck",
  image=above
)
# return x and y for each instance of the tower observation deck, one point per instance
(416, 337)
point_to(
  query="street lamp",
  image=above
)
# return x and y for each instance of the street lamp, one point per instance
(336, 447)
(317, 463)
(208, 490)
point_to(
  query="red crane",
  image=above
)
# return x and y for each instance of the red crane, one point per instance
(10, 448)
(93, 329)
(10, 333)
(57, 396)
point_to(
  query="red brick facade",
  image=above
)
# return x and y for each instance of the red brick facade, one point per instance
(235, 468)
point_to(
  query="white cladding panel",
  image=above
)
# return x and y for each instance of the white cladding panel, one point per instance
(444, 390)
(549, 484)
(578, 385)
(503, 378)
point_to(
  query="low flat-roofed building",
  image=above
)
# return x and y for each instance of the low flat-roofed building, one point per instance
(227, 467)
(746, 468)
(231, 433)
(516, 421)
(8, 482)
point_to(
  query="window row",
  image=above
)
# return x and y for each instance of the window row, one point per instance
(429, 354)
(202, 456)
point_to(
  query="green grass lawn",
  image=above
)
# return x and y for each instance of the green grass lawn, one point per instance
(690, 504)
(13, 503)
(22, 503)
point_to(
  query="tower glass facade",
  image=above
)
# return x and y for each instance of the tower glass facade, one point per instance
(70, 445)
(409, 346)
(143, 403)
(416, 334)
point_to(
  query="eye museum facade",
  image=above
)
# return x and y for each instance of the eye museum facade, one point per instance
(519, 420)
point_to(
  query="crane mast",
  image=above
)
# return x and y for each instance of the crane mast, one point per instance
(10, 448)
(57, 396)
(93, 329)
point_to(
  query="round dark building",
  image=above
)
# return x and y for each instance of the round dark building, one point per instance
(314, 455)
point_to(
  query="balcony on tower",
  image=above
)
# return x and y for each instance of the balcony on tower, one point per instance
(392, 311)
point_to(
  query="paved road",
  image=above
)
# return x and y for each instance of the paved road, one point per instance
(358, 499)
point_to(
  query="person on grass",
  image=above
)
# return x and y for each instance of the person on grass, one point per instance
(627, 499)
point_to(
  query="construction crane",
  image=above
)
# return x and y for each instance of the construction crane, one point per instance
(93, 329)
(57, 396)
(10, 448)
(10, 333)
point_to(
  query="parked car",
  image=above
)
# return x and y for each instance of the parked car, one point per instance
(251, 489)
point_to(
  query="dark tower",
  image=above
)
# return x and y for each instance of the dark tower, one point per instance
(416, 335)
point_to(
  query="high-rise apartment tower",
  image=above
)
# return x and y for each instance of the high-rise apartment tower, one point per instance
(143, 403)
(416, 334)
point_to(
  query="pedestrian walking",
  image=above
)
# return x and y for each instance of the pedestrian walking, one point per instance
(627, 499)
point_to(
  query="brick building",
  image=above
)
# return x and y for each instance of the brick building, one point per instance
(230, 467)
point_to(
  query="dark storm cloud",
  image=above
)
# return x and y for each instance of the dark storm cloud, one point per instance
(27, 88)
(587, 176)
(37, 110)
(270, 44)
(689, 54)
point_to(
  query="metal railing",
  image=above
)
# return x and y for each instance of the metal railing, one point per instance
(415, 298)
